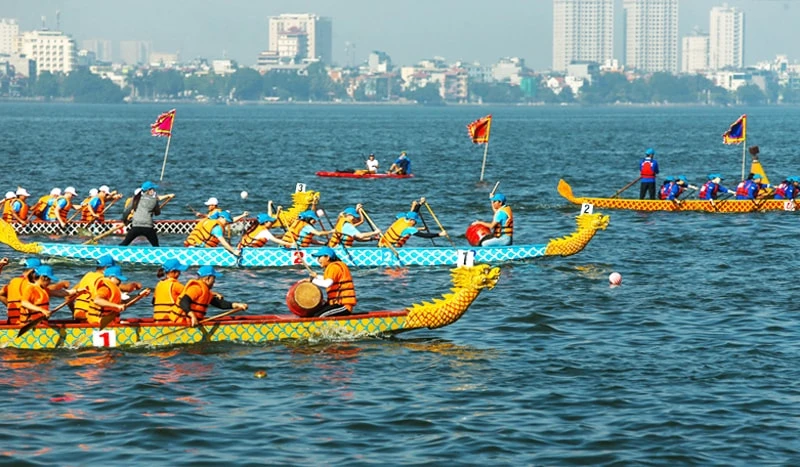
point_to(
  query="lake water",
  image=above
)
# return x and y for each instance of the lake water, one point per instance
(693, 361)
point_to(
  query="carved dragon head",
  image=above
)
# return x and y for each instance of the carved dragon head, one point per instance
(480, 276)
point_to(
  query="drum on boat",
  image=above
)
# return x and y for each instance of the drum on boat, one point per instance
(476, 233)
(304, 298)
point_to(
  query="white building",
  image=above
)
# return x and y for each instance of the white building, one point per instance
(651, 35)
(302, 36)
(508, 70)
(223, 67)
(135, 52)
(100, 47)
(726, 38)
(583, 30)
(53, 51)
(694, 53)
(9, 36)
(379, 62)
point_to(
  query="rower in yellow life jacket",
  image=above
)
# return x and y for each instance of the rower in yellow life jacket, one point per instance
(193, 302)
(60, 208)
(168, 289)
(302, 230)
(258, 235)
(346, 230)
(209, 233)
(41, 208)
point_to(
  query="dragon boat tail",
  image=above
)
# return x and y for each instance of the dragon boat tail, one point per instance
(468, 282)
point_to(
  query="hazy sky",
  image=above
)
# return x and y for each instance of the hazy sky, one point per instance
(408, 30)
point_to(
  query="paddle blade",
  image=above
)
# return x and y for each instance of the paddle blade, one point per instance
(30, 325)
(107, 319)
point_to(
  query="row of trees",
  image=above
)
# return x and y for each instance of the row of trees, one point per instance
(314, 84)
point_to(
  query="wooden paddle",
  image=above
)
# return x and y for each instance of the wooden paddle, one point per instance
(436, 219)
(333, 232)
(103, 235)
(204, 321)
(425, 224)
(107, 319)
(375, 227)
(619, 192)
(494, 190)
(32, 324)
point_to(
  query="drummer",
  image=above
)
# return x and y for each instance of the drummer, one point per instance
(338, 283)
(502, 225)
(193, 302)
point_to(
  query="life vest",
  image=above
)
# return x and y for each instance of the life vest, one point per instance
(508, 227)
(96, 312)
(293, 232)
(665, 190)
(165, 298)
(249, 238)
(342, 291)
(647, 169)
(8, 210)
(202, 236)
(709, 190)
(394, 234)
(743, 189)
(41, 206)
(127, 211)
(14, 290)
(55, 213)
(339, 236)
(37, 296)
(86, 213)
(84, 301)
(780, 190)
(198, 305)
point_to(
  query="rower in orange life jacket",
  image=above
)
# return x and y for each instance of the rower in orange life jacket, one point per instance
(502, 225)
(92, 207)
(35, 300)
(258, 235)
(209, 233)
(346, 230)
(168, 289)
(59, 210)
(16, 209)
(648, 169)
(338, 282)
(302, 230)
(11, 294)
(107, 296)
(193, 302)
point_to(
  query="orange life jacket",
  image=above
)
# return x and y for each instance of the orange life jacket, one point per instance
(37, 296)
(338, 236)
(342, 291)
(393, 235)
(42, 205)
(96, 312)
(200, 296)
(165, 298)
(86, 210)
(201, 235)
(8, 210)
(508, 227)
(84, 301)
(293, 233)
(14, 290)
(249, 238)
(63, 213)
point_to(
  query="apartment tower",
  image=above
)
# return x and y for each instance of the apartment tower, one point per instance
(726, 38)
(301, 36)
(651, 35)
(583, 30)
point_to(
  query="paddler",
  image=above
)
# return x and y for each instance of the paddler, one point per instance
(16, 209)
(213, 207)
(405, 225)
(711, 189)
(210, 233)
(338, 283)
(168, 289)
(91, 206)
(259, 235)
(197, 296)
(107, 296)
(59, 210)
(83, 303)
(35, 300)
(502, 225)
(302, 230)
(345, 231)
(41, 209)
(11, 293)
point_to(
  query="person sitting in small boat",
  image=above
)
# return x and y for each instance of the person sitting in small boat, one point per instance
(168, 289)
(303, 232)
(404, 226)
(59, 210)
(372, 166)
(502, 225)
(210, 233)
(107, 298)
(666, 187)
(16, 209)
(750, 187)
(787, 189)
(259, 235)
(346, 229)
(35, 299)
(401, 166)
(193, 302)
(711, 189)
(338, 283)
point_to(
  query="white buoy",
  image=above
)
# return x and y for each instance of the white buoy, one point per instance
(615, 279)
(320, 213)
(243, 195)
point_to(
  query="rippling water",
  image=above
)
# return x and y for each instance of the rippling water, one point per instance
(691, 361)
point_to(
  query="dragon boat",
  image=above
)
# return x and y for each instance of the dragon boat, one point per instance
(468, 282)
(587, 226)
(720, 205)
(301, 201)
(361, 175)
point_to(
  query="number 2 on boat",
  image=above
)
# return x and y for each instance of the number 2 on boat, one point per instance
(587, 208)
(297, 257)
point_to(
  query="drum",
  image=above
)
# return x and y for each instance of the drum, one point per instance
(304, 298)
(476, 233)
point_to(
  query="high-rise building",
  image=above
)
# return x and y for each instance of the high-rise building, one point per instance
(301, 36)
(100, 47)
(651, 35)
(135, 52)
(53, 51)
(726, 38)
(9, 36)
(583, 30)
(694, 55)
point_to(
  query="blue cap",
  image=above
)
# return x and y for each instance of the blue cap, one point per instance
(412, 216)
(115, 271)
(308, 215)
(206, 271)
(32, 263)
(325, 251)
(713, 176)
(222, 215)
(650, 152)
(149, 185)
(670, 178)
(499, 197)
(174, 265)
(351, 212)
(683, 178)
(794, 178)
(757, 177)
(262, 218)
(105, 261)
(45, 270)
(400, 215)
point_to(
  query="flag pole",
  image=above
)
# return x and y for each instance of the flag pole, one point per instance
(164, 165)
(744, 154)
(485, 151)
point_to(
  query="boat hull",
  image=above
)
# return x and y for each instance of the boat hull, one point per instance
(356, 175)
(79, 228)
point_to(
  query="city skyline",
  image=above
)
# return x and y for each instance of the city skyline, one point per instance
(408, 32)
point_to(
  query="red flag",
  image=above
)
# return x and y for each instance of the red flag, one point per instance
(163, 124)
(479, 129)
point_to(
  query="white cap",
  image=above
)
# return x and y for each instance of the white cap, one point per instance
(55, 192)
(212, 201)
(22, 192)
(93, 192)
(104, 189)
(10, 195)
(70, 190)
(137, 191)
